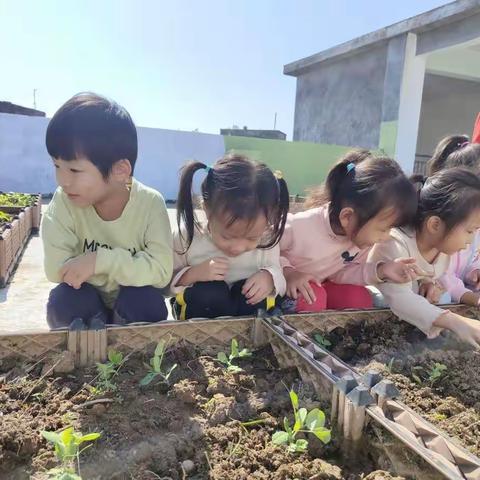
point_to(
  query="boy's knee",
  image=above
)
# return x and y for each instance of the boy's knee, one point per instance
(66, 303)
(140, 304)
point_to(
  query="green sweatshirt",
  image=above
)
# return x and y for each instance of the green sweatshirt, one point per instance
(133, 250)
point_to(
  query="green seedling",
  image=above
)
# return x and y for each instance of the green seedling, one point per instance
(436, 372)
(106, 372)
(67, 449)
(235, 353)
(322, 341)
(390, 365)
(439, 417)
(155, 367)
(305, 422)
(416, 377)
(5, 218)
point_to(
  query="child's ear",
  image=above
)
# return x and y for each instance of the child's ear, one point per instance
(121, 171)
(347, 218)
(435, 225)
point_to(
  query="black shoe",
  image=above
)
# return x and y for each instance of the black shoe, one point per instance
(77, 324)
(176, 308)
(98, 321)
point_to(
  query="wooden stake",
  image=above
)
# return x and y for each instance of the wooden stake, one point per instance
(334, 409)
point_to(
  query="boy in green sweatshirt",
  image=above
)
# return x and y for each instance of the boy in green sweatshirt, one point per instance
(106, 237)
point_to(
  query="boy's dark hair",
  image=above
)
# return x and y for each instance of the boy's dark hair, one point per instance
(454, 151)
(239, 188)
(89, 125)
(368, 184)
(451, 194)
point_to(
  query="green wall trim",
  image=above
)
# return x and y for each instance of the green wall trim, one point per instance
(388, 137)
(303, 164)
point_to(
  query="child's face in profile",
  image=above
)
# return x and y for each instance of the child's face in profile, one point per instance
(461, 235)
(81, 181)
(240, 237)
(376, 230)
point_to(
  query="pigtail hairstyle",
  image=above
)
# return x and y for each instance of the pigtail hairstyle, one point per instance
(185, 203)
(367, 184)
(236, 188)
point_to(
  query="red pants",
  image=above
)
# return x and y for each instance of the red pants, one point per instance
(333, 296)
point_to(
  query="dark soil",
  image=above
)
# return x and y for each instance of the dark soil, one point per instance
(190, 429)
(403, 354)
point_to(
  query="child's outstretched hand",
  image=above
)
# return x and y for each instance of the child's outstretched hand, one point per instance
(473, 279)
(78, 270)
(258, 287)
(299, 282)
(466, 329)
(401, 270)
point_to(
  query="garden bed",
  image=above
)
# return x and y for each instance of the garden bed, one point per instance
(437, 378)
(19, 216)
(191, 428)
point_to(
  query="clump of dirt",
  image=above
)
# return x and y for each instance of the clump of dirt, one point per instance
(192, 428)
(438, 378)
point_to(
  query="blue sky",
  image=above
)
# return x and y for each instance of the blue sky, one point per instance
(179, 64)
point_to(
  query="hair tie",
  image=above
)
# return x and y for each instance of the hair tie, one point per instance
(278, 174)
(208, 169)
(350, 167)
(461, 145)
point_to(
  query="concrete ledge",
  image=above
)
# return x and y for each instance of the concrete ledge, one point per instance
(425, 21)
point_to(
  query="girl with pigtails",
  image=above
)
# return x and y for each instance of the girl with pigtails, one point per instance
(228, 264)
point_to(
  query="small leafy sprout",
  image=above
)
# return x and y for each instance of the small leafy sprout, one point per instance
(305, 422)
(155, 367)
(235, 353)
(390, 365)
(106, 372)
(439, 417)
(416, 376)
(67, 449)
(322, 341)
(436, 372)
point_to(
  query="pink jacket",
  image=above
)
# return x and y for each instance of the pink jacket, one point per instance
(461, 264)
(309, 245)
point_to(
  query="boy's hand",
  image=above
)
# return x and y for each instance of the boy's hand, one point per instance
(473, 279)
(400, 270)
(258, 287)
(79, 269)
(299, 282)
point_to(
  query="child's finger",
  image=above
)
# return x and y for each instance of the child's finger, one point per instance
(407, 261)
(307, 292)
(247, 285)
(257, 298)
(220, 260)
(292, 292)
(252, 291)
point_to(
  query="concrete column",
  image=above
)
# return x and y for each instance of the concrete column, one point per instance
(410, 105)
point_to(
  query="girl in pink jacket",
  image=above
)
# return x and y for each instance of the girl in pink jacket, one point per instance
(324, 249)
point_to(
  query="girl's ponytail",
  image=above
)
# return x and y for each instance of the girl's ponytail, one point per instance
(442, 152)
(342, 172)
(185, 206)
(282, 212)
